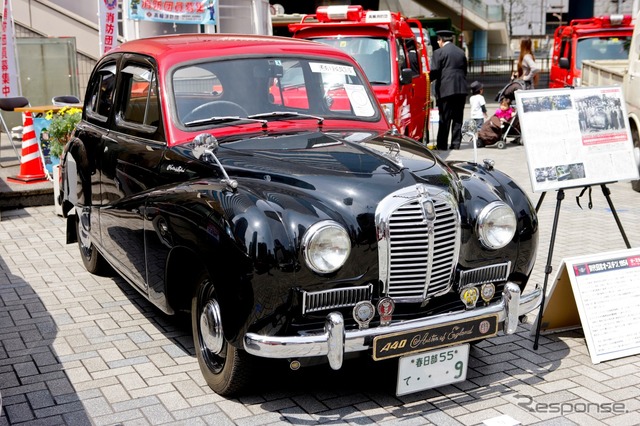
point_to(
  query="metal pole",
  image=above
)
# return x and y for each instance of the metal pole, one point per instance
(548, 268)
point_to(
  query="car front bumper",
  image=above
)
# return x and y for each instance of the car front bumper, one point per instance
(336, 341)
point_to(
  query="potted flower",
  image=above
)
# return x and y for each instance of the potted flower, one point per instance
(61, 127)
(59, 131)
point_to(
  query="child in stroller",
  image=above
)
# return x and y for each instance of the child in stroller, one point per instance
(504, 122)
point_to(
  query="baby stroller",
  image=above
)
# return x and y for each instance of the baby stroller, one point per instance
(493, 131)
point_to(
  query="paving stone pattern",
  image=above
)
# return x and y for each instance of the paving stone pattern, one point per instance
(80, 349)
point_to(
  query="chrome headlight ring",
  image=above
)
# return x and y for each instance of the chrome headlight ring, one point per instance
(496, 225)
(325, 246)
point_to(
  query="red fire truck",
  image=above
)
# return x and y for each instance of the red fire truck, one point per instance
(385, 46)
(604, 37)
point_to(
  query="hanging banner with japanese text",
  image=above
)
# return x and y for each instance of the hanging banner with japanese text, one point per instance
(108, 24)
(174, 11)
(9, 64)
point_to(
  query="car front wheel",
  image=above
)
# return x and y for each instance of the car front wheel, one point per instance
(225, 368)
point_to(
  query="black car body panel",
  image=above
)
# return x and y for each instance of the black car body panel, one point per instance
(226, 216)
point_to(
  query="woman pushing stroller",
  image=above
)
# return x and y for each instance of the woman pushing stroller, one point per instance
(504, 122)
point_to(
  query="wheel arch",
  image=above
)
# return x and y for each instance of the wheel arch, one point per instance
(183, 267)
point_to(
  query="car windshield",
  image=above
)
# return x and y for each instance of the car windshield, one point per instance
(371, 53)
(613, 47)
(214, 93)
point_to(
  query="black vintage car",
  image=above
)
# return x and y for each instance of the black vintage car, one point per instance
(255, 183)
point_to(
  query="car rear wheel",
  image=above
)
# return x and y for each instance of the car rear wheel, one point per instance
(225, 368)
(91, 257)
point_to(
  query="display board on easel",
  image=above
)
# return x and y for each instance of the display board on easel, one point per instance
(605, 293)
(576, 137)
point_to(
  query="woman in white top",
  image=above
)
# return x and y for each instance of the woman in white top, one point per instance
(527, 66)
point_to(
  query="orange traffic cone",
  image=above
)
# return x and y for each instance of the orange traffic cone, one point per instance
(31, 168)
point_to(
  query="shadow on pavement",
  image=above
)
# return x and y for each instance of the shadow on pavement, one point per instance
(33, 383)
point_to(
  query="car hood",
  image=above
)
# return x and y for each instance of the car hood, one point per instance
(322, 153)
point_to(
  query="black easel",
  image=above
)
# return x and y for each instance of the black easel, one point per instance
(548, 268)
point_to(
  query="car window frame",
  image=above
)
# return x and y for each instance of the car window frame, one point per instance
(120, 123)
(92, 115)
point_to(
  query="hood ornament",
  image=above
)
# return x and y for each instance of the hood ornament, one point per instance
(394, 152)
(205, 149)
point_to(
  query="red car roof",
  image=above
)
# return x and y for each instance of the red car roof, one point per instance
(169, 50)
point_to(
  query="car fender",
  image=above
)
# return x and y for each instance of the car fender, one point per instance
(235, 235)
(488, 184)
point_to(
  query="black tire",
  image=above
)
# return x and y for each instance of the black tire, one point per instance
(225, 368)
(91, 257)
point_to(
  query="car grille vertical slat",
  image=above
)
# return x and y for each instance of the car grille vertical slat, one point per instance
(314, 301)
(420, 255)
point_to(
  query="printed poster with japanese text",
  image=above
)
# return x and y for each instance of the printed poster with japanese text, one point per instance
(576, 137)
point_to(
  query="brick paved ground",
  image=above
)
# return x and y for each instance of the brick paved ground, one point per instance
(80, 349)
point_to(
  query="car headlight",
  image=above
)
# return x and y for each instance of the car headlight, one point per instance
(388, 112)
(326, 246)
(496, 225)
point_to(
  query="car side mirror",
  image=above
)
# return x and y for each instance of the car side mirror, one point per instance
(564, 63)
(205, 149)
(406, 76)
(205, 142)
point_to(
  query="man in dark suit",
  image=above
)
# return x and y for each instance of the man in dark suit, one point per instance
(449, 71)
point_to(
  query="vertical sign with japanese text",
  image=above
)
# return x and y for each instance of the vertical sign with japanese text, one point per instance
(108, 24)
(10, 76)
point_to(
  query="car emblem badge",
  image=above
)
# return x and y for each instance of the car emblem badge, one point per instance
(385, 308)
(426, 203)
(363, 313)
(429, 210)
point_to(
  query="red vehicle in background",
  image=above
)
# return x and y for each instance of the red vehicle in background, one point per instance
(604, 37)
(385, 46)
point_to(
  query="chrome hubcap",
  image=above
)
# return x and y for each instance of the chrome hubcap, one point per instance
(211, 327)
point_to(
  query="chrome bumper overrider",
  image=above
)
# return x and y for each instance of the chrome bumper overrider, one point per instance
(336, 341)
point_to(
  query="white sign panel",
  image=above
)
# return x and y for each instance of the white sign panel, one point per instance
(606, 288)
(576, 137)
(175, 11)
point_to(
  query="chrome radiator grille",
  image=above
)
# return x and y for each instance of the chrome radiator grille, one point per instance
(418, 230)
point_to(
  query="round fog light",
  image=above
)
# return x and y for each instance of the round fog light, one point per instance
(469, 296)
(487, 291)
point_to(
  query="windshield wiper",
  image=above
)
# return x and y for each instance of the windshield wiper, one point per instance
(220, 120)
(285, 115)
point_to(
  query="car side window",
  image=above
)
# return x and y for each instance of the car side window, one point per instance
(402, 56)
(140, 95)
(140, 108)
(101, 93)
